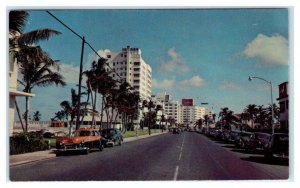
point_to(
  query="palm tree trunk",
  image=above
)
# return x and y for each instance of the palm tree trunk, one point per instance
(19, 115)
(102, 109)
(27, 113)
(69, 125)
(94, 104)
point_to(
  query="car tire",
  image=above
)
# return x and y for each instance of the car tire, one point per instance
(87, 151)
(101, 147)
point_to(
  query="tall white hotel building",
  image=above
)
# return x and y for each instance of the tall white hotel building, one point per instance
(129, 66)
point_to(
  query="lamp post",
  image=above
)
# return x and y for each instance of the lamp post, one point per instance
(250, 78)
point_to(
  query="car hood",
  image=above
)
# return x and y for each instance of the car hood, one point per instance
(73, 140)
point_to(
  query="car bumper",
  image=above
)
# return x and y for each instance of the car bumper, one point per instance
(280, 156)
(109, 143)
(71, 148)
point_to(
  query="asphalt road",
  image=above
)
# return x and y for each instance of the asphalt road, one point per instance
(185, 156)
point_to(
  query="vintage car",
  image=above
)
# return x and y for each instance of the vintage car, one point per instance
(111, 137)
(277, 147)
(175, 130)
(242, 139)
(257, 141)
(82, 140)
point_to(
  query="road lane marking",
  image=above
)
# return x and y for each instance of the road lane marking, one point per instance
(176, 173)
(180, 156)
(181, 149)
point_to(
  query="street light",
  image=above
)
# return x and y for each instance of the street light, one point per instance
(270, 83)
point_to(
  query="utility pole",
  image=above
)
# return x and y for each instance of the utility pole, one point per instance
(79, 85)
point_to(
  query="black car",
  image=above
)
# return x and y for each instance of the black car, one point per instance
(277, 146)
(176, 130)
(111, 137)
(257, 141)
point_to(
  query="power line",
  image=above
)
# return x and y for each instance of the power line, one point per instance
(65, 25)
(75, 33)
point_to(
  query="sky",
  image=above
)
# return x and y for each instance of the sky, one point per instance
(204, 54)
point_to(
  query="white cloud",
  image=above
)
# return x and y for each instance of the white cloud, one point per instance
(175, 64)
(271, 50)
(229, 85)
(194, 82)
(165, 84)
(70, 73)
(94, 57)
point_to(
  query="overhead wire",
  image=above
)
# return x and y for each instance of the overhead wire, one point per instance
(75, 33)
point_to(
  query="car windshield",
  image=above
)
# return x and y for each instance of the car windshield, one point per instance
(82, 133)
(107, 132)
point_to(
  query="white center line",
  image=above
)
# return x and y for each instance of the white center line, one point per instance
(176, 173)
(180, 156)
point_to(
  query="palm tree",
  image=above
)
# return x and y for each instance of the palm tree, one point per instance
(228, 117)
(206, 120)
(22, 48)
(37, 116)
(252, 111)
(224, 111)
(59, 115)
(159, 108)
(199, 123)
(37, 73)
(69, 110)
(99, 81)
(19, 40)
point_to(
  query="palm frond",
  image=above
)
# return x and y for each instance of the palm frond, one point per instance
(36, 36)
(17, 20)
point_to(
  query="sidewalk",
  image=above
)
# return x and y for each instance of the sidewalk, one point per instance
(48, 154)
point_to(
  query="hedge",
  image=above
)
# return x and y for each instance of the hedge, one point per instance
(27, 142)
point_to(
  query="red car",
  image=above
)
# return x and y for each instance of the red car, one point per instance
(83, 139)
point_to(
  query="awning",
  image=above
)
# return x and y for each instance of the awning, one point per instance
(20, 93)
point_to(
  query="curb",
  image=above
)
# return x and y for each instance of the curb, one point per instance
(51, 155)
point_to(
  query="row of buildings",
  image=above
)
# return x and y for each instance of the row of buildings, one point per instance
(128, 65)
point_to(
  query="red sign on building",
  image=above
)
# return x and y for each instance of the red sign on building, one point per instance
(187, 102)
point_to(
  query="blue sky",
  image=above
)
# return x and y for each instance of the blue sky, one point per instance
(205, 54)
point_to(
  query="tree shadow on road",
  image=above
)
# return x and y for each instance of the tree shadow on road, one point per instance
(229, 146)
(245, 151)
(263, 160)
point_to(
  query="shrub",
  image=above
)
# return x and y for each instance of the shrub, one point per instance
(27, 142)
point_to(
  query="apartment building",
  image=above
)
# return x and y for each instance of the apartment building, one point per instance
(128, 65)
(13, 92)
(283, 105)
(190, 113)
(171, 107)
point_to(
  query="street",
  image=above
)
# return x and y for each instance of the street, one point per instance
(184, 156)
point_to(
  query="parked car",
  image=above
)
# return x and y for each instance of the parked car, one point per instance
(243, 139)
(175, 130)
(257, 141)
(83, 139)
(277, 146)
(111, 137)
